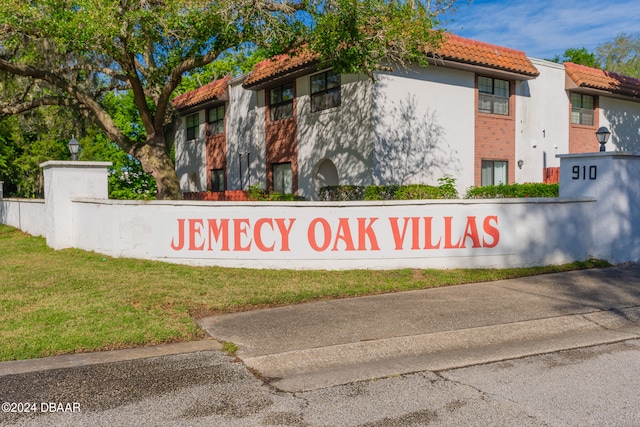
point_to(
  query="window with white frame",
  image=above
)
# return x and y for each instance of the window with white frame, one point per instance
(582, 108)
(494, 172)
(493, 96)
(325, 91)
(282, 178)
(216, 120)
(281, 102)
(193, 123)
(217, 180)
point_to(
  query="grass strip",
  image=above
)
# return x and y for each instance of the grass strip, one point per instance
(68, 301)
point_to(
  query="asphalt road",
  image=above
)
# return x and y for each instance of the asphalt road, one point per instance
(592, 386)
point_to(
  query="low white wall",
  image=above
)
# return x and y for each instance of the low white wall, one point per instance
(347, 235)
(28, 215)
(597, 215)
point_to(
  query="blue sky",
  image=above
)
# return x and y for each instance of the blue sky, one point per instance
(545, 28)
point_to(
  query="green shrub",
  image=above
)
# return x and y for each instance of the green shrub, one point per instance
(503, 191)
(380, 192)
(257, 193)
(446, 190)
(448, 187)
(417, 191)
(342, 193)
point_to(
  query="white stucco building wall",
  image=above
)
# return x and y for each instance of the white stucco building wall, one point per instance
(342, 135)
(191, 161)
(622, 117)
(245, 133)
(542, 121)
(424, 126)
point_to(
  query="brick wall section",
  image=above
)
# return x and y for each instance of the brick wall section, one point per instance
(582, 139)
(281, 145)
(495, 138)
(216, 156)
(219, 196)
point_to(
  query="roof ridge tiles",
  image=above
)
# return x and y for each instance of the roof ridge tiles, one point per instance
(207, 92)
(484, 44)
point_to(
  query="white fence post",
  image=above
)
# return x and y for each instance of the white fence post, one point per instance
(63, 182)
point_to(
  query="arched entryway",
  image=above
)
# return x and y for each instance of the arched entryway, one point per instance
(326, 175)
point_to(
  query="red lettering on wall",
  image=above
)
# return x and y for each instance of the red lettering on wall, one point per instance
(471, 231)
(344, 234)
(366, 231)
(195, 231)
(257, 234)
(491, 231)
(311, 235)
(398, 237)
(240, 229)
(428, 234)
(284, 232)
(447, 234)
(216, 230)
(180, 244)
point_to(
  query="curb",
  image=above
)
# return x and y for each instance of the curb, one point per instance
(86, 359)
(310, 369)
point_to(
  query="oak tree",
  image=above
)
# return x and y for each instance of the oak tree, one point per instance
(71, 53)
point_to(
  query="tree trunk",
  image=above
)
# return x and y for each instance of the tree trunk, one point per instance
(156, 161)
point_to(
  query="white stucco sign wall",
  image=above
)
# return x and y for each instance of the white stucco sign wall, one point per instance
(597, 215)
(373, 235)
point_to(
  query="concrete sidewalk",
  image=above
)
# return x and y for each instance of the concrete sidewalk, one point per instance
(326, 343)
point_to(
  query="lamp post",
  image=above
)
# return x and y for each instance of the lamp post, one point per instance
(603, 136)
(74, 148)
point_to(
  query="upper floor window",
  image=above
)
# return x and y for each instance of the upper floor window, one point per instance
(216, 120)
(582, 107)
(281, 102)
(325, 91)
(493, 97)
(193, 123)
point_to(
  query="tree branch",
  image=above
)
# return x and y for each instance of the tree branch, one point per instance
(174, 80)
(9, 109)
(102, 118)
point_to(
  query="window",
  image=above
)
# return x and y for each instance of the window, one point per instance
(325, 91)
(281, 102)
(216, 120)
(582, 107)
(494, 172)
(282, 178)
(493, 97)
(193, 123)
(217, 180)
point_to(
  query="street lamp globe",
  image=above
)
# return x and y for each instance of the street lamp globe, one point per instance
(603, 136)
(74, 148)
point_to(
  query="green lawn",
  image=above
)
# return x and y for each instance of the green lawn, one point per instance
(56, 302)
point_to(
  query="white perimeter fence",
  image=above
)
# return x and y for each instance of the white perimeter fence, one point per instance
(597, 215)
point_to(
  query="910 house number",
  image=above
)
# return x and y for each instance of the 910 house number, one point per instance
(584, 172)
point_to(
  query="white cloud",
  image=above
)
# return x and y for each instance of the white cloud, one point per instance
(545, 28)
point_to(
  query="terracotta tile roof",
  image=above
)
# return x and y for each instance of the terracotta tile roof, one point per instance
(454, 48)
(209, 92)
(594, 78)
(458, 49)
(280, 65)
